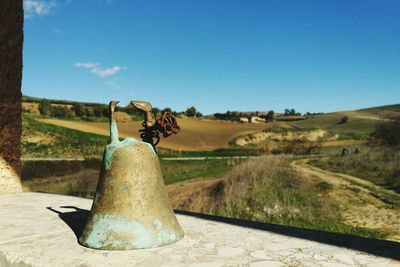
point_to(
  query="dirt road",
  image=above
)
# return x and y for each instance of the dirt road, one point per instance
(358, 199)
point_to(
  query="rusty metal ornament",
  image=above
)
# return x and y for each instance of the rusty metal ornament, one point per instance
(131, 209)
(152, 127)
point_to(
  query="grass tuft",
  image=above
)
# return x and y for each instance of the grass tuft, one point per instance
(266, 189)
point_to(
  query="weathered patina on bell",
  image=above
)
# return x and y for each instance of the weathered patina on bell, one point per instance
(131, 209)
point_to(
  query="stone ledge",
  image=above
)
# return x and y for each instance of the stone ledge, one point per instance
(41, 230)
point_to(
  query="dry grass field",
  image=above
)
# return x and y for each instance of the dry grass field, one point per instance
(390, 112)
(196, 134)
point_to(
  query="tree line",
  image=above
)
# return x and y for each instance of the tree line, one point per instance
(268, 116)
(46, 108)
(87, 111)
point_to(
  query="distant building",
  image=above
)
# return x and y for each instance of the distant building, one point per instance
(244, 119)
(256, 119)
(252, 119)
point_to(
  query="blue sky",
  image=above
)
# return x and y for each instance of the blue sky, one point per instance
(218, 55)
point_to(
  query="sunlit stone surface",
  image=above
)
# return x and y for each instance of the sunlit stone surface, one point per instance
(34, 234)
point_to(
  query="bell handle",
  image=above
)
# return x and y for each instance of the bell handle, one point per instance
(147, 109)
(113, 123)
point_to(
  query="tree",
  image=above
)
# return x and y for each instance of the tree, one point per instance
(343, 120)
(105, 111)
(191, 112)
(58, 112)
(199, 115)
(79, 109)
(291, 112)
(61, 112)
(269, 116)
(388, 132)
(98, 111)
(156, 110)
(45, 107)
(166, 110)
(89, 112)
(129, 109)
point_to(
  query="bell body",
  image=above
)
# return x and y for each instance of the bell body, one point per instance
(131, 209)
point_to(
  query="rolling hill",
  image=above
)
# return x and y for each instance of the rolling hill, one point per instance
(209, 134)
(388, 112)
(196, 134)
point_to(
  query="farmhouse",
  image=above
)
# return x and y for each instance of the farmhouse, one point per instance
(244, 119)
(256, 119)
(252, 119)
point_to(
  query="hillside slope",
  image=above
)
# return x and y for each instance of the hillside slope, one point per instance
(388, 112)
(196, 134)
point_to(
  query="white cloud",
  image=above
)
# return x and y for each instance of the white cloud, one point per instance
(105, 72)
(97, 70)
(86, 65)
(38, 7)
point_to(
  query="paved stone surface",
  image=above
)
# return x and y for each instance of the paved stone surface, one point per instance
(36, 231)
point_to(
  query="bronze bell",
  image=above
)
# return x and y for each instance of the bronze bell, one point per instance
(131, 209)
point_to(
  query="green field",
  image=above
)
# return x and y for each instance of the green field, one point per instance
(354, 128)
(79, 178)
(180, 170)
(46, 141)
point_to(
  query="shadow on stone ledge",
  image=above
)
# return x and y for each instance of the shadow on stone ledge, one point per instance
(76, 221)
(382, 248)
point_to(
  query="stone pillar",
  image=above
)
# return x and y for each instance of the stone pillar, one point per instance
(11, 39)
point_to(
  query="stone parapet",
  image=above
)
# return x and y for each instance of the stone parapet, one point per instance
(42, 230)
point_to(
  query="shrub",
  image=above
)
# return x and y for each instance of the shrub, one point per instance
(89, 112)
(121, 116)
(291, 112)
(324, 186)
(388, 133)
(79, 110)
(269, 116)
(61, 112)
(166, 110)
(45, 107)
(343, 120)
